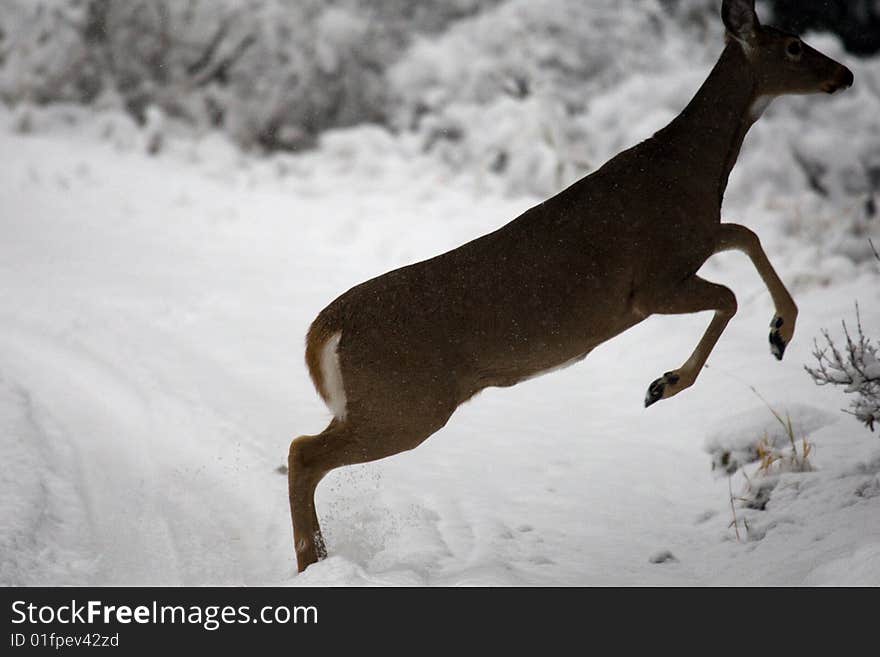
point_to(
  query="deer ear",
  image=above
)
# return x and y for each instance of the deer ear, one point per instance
(740, 18)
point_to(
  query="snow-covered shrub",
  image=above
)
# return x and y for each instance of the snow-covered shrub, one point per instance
(856, 367)
(317, 65)
(273, 73)
(560, 48)
(44, 57)
(512, 90)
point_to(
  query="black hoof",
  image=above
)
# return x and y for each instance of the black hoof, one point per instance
(655, 390)
(777, 344)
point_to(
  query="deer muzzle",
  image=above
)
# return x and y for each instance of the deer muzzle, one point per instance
(843, 79)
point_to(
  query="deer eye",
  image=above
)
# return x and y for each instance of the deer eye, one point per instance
(794, 49)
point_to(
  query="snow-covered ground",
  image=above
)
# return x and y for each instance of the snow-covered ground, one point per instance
(152, 314)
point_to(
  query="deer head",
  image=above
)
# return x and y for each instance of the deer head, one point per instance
(782, 62)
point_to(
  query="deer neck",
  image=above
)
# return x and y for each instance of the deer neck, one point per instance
(710, 130)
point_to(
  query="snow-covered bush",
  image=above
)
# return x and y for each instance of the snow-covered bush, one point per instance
(856, 367)
(510, 91)
(273, 73)
(44, 56)
(269, 72)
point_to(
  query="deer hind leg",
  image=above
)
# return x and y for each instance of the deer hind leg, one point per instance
(303, 476)
(693, 295)
(740, 238)
(342, 443)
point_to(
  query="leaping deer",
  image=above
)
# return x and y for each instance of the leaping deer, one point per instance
(395, 356)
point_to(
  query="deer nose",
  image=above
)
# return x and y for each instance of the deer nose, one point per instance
(843, 79)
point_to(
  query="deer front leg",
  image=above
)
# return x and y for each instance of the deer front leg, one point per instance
(740, 238)
(691, 296)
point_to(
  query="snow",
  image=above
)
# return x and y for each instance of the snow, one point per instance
(152, 316)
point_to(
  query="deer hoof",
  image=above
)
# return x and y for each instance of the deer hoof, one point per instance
(657, 389)
(777, 342)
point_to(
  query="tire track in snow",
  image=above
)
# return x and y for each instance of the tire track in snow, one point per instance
(106, 432)
(45, 534)
(175, 492)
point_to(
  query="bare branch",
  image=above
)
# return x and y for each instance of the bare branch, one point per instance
(210, 51)
(220, 69)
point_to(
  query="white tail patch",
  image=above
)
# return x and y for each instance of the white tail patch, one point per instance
(332, 376)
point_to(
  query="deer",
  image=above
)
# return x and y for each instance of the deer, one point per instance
(394, 357)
